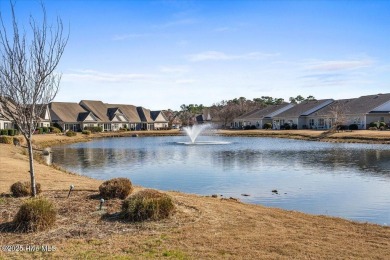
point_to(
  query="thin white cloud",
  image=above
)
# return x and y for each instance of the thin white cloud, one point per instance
(92, 75)
(221, 56)
(337, 65)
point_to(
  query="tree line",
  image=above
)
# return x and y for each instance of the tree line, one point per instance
(226, 110)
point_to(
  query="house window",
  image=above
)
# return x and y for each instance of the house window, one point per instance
(382, 119)
(321, 122)
(311, 122)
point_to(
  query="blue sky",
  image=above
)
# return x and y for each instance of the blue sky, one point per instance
(161, 54)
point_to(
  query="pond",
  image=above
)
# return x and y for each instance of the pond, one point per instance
(344, 180)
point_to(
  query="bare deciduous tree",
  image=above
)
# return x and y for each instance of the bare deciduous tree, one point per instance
(338, 111)
(27, 78)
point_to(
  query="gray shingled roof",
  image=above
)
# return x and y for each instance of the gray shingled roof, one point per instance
(144, 114)
(361, 105)
(263, 112)
(302, 108)
(67, 112)
(96, 107)
(129, 111)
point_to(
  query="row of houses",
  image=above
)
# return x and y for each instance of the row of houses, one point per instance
(92, 113)
(320, 114)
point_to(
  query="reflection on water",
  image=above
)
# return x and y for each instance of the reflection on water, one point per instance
(347, 180)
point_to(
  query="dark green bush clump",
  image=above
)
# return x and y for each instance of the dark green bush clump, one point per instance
(22, 189)
(86, 132)
(57, 125)
(253, 127)
(147, 204)
(267, 126)
(4, 132)
(287, 126)
(353, 127)
(70, 133)
(374, 124)
(54, 130)
(6, 139)
(116, 188)
(36, 214)
(11, 132)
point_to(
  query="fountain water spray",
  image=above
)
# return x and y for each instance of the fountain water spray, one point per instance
(195, 130)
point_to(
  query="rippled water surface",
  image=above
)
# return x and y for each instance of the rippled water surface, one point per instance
(346, 180)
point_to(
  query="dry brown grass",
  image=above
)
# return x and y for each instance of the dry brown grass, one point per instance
(116, 188)
(200, 228)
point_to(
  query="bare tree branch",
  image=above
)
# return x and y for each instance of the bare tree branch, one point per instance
(28, 81)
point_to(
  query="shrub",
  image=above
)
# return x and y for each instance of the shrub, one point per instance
(94, 129)
(253, 127)
(36, 214)
(247, 127)
(70, 133)
(6, 139)
(116, 188)
(374, 124)
(11, 132)
(54, 130)
(287, 126)
(4, 132)
(382, 124)
(353, 127)
(373, 128)
(294, 126)
(267, 126)
(45, 129)
(147, 204)
(86, 132)
(22, 189)
(56, 125)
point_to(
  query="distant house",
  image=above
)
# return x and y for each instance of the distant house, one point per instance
(297, 115)
(261, 116)
(131, 113)
(160, 121)
(5, 119)
(110, 118)
(203, 118)
(72, 116)
(360, 111)
(44, 118)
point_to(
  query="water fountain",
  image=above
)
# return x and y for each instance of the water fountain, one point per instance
(194, 131)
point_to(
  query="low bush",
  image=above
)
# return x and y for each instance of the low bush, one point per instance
(267, 126)
(22, 189)
(45, 129)
(11, 132)
(4, 132)
(116, 188)
(70, 133)
(247, 127)
(54, 130)
(94, 129)
(86, 132)
(147, 204)
(4, 139)
(343, 127)
(374, 124)
(353, 127)
(382, 124)
(36, 214)
(56, 125)
(287, 126)
(373, 128)
(294, 126)
(253, 127)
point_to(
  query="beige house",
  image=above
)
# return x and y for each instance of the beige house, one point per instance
(360, 111)
(72, 116)
(296, 116)
(5, 120)
(259, 117)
